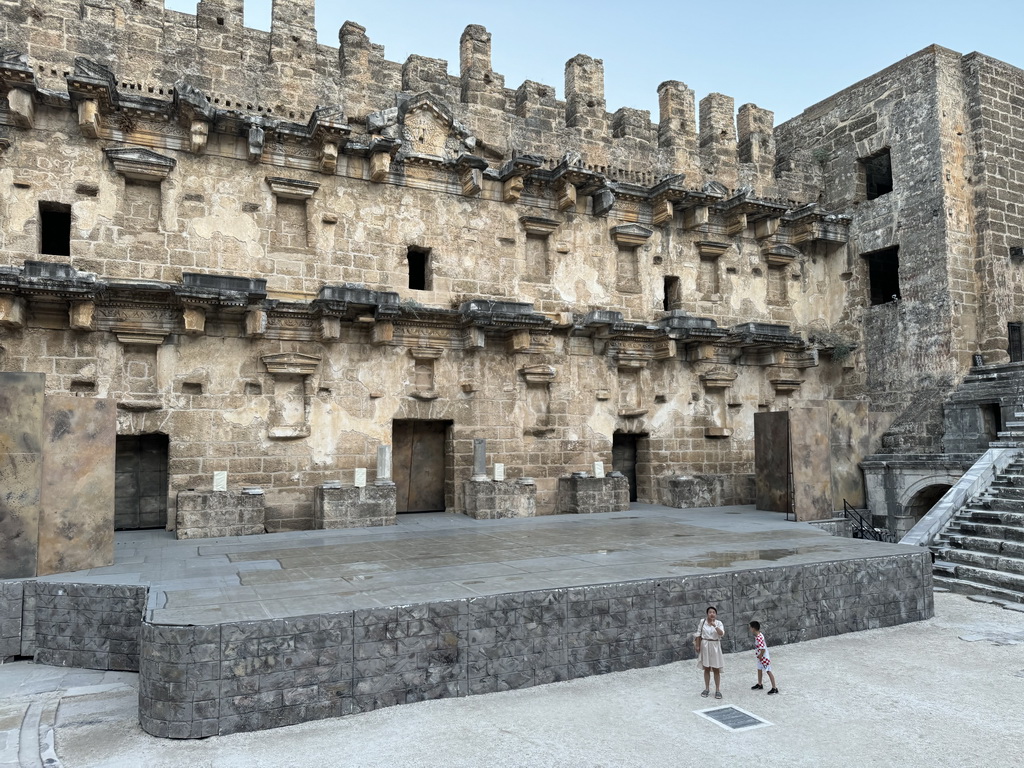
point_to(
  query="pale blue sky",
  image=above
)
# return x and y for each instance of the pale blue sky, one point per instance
(783, 56)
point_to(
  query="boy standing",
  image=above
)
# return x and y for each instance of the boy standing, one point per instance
(764, 662)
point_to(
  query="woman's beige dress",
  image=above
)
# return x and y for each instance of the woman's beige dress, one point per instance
(710, 645)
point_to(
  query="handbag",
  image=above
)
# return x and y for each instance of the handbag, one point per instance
(699, 639)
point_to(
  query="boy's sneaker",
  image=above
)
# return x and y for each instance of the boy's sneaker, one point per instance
(773, 690)
(757, 687)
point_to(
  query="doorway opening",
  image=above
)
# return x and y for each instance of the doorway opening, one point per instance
(925, 499)
(420, 470)
(140, 482)
(626, 457)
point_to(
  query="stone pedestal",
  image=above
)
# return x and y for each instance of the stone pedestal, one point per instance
(354, 507)
(491, 500)
(583, 495)
(206, 514)
(696, 491)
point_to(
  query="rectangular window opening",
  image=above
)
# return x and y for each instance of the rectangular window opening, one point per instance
(1015, 332)
(419, 272)
(884, 275)
(673, 293)
(55, 229)
(877, 171)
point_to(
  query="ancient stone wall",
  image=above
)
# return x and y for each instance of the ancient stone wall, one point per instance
(271, 283)
(917, 337)
(242, 281)
(995, 110)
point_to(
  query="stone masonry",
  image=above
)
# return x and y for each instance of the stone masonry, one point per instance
(494, 499)
(272, 254)
(205, 514)
(200, 681)
(354, 507)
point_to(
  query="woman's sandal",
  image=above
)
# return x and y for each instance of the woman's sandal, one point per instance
(718, 694)
(705, 693)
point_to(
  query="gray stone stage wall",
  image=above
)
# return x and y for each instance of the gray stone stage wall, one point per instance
(11, 600)
(198, 681)
(92, 626)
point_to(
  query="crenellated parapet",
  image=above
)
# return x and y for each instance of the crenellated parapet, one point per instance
(285, 75)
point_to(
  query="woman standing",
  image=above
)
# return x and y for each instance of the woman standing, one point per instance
(708, 643)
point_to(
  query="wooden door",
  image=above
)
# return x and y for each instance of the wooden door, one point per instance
(419, 465)
(140, 482)
(624, 459)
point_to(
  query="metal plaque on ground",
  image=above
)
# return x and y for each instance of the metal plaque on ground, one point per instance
(732, 718)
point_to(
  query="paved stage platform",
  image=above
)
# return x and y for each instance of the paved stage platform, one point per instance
(253, 632)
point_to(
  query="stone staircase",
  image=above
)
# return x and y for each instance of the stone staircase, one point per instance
(981, 550)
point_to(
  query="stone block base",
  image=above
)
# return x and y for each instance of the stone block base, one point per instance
(584, 495)
(354, 507)
(199, 681)
(697, 491)
(90, 626)
(206, 514)
(490, 500)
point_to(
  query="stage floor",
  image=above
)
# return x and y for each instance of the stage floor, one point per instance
(437, 557)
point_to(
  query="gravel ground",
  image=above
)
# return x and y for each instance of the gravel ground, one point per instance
(943, 692)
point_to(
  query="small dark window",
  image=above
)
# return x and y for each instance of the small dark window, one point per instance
(55, 229)
(673, 293)
(419, 274)
(220, 20)
(884, 275)
(877, 174)
(1016, 347)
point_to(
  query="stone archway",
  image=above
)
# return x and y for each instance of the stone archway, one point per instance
(924, 499)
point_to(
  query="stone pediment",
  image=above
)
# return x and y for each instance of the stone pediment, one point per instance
(630, 235)
(779, 255)
(428, 127)
(714, 189)
(141, 164)
(292, 363)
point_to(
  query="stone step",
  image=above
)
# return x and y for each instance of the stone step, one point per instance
(1014, 582)
(1009, 518)
(991, 530)
(987, 560)
(1005, 492)
(982, 544)
(966, 587)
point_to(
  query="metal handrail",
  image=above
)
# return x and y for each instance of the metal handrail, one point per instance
(862, 527)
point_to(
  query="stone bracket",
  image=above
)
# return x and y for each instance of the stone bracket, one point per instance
(470, 169)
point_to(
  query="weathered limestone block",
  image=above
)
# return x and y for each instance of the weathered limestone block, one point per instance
(354, 507)
(12, 312)
(578, 495)
(206, 514)
(492, 500)
(21, 466)
(76, 522)
(22, 106)
(696, 491)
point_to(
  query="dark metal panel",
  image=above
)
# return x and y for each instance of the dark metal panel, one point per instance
(772, 461)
